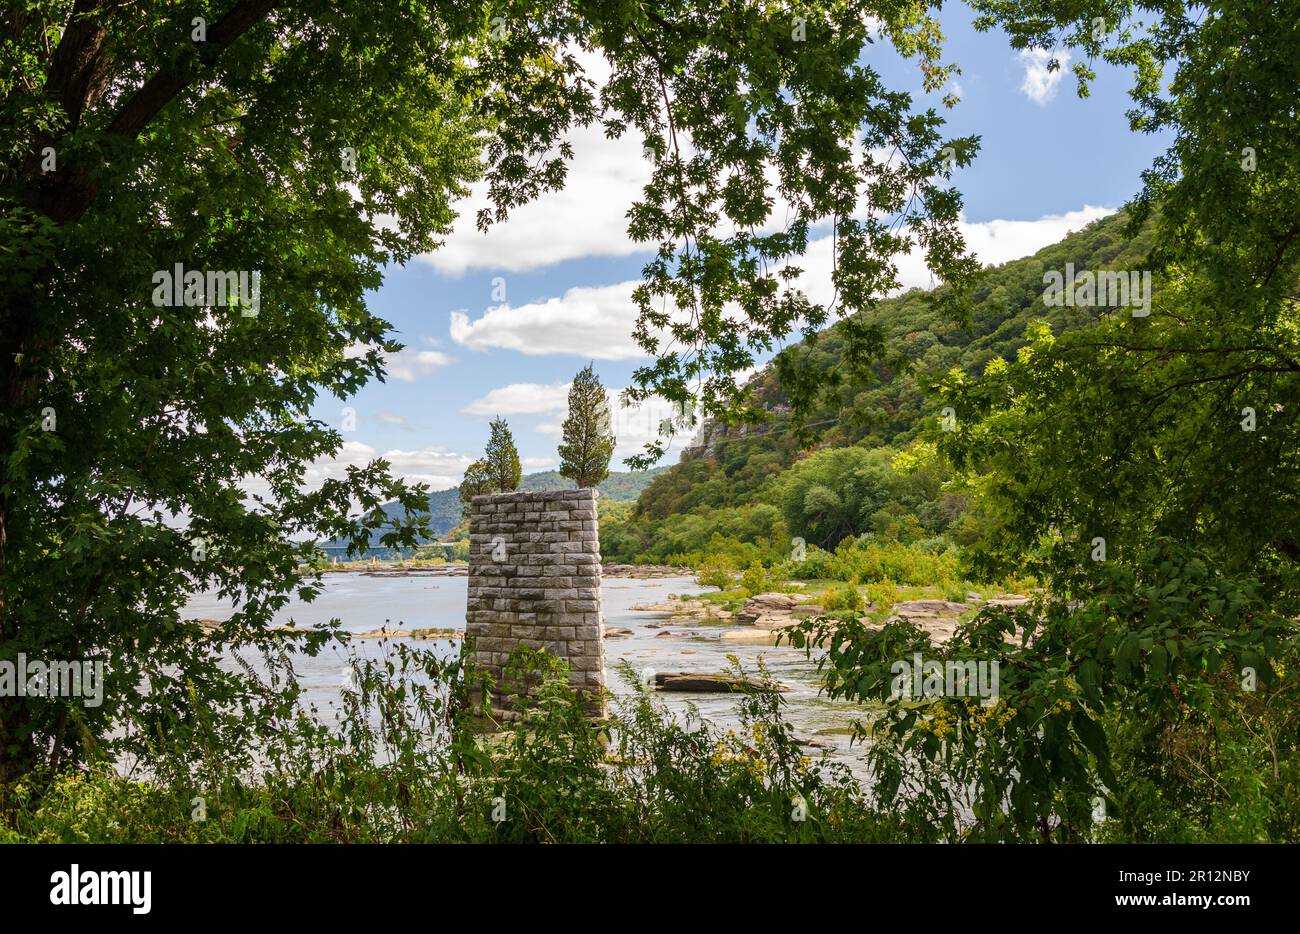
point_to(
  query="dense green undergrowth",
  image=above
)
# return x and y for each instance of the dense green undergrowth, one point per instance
(1132, 751)
(407, 761)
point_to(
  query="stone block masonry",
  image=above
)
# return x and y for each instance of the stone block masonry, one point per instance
(534, 580)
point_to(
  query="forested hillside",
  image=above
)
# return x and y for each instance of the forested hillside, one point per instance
(741, 482)
(619, 486)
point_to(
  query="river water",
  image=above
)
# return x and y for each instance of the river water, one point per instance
(362, 602)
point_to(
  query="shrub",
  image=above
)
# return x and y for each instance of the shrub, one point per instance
(884, 594)
(716, 571)
(845, 597)
(756, 579)
(867, 561)
(1175, 717)
(817, 564)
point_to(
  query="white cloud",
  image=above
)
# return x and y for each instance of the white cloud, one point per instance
(999, 241)
(588, 217)
(409, 364)
(633, 426)
(1039, 84)
(539, 463)
(993, 242)
(587, 321)
(436, 466)
(521, 399)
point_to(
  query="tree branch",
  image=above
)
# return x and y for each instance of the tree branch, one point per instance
(67, 194)
(162, 88)
(77, 62)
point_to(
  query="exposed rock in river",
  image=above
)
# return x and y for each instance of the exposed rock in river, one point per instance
(210, 627)
(751, 636)
(687, 609)
(447, 570)
(390, 569)
(705, 682)
(409, 634)
(644, 571)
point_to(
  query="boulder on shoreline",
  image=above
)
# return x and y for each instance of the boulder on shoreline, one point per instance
(910, 608)
(776, 610)
(1015, 599)
(939, 618)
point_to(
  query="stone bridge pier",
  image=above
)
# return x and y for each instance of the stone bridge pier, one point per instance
(534, 580)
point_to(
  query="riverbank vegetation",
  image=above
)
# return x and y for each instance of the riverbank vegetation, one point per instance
(405, 760)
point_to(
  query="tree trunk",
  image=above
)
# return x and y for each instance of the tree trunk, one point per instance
(18, 753)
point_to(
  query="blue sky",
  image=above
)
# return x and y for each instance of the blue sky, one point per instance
(1049, 163)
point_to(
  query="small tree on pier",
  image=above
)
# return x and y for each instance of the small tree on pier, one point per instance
(588, 442)
(502, 458)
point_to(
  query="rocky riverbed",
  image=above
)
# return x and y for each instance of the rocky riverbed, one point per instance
(643, 571)
(400, 569)
(210, 626)
(763, 615)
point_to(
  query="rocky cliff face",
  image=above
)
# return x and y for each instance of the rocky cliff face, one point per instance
(714, 433)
